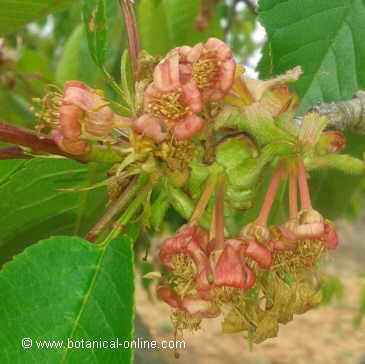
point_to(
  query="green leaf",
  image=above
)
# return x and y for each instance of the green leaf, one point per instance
(15, 108)
(181, 15)
(152, 27)
(324, 37)
(76, 62)
(65, 288)
(17, 13)
(96, 30)
(165, 24)
(31, 207)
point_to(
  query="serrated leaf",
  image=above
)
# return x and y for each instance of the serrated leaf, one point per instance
(324, 37)
(17, 13)
(66, 288)
(31, 207)
(96, 30)
(328, 53)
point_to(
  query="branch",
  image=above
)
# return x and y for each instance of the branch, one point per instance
(13, 152)
(17, 135)
(346, 115)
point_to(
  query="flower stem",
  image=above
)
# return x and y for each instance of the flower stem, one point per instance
(305, 198)
(219, 213)
(116, 206)
(269, 197)
(293, 194)
(204, 199)
(129, 212)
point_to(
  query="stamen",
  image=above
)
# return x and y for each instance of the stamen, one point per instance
(48, 115)
(205, 72)
(168, 106)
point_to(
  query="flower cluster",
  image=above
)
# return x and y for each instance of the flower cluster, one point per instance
(256, 280)
(183, 82)
(205, 133)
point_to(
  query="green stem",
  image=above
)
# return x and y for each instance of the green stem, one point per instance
(305, 198)
(219, 213)
(184, 205)
(116, 206)
(269, 197)
(204, 199)
(103, 154)
(129, 212)
(293, 193)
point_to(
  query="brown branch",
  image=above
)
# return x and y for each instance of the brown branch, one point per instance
(17, 135)
(345, 115)
(13, 152)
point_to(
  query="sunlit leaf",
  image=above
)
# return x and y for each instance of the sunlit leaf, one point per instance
(66, 289)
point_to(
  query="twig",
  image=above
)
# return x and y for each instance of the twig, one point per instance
(42, 144)
(13, 152)
(17, 135)
(346, 115)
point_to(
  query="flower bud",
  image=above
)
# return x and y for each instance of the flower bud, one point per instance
(262, 256)
(330, 141)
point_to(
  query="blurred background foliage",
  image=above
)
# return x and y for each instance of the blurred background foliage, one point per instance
(43, 44)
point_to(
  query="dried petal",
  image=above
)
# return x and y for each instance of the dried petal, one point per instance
(229, 269)
(71, 146)
(258, 253)
(150, 127)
